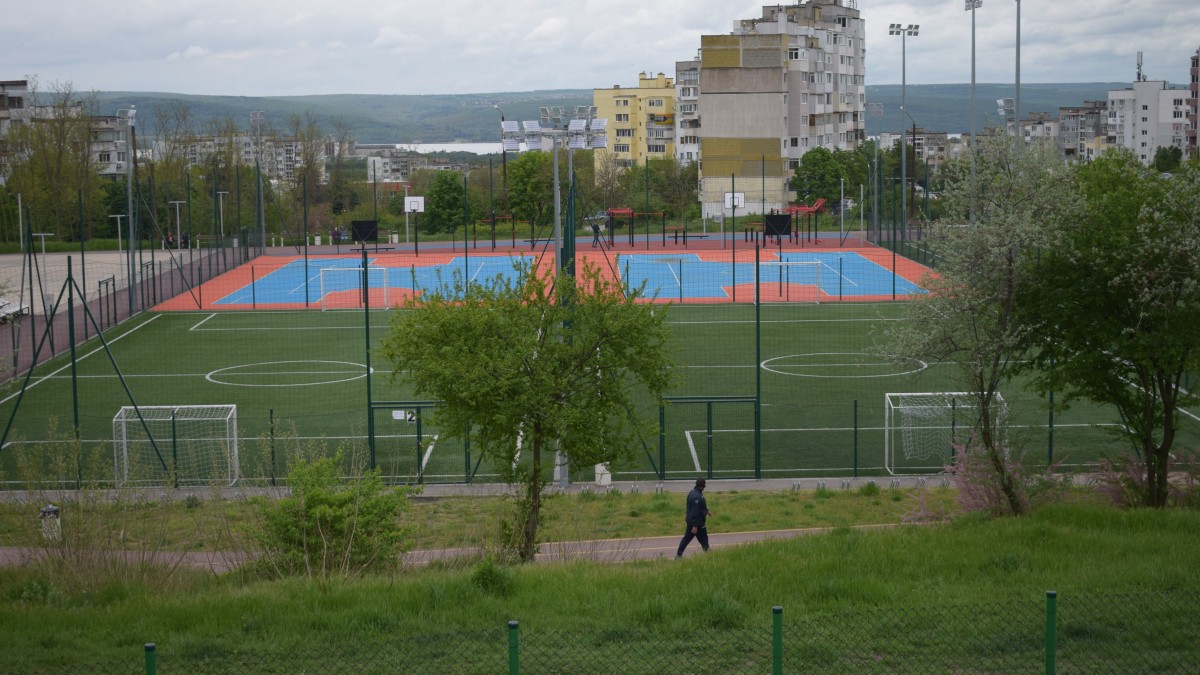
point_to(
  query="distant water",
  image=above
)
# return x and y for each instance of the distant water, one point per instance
(477, 148)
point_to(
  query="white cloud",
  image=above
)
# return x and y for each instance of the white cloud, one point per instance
(466, 46)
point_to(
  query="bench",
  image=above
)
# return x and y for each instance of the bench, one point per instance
(10, 310)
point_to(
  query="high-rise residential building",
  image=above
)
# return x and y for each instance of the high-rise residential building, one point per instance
(1146, 116)
(774, 88)
(641, 120)
(687, 115)
(13, 95)
(1081, 130)
(1193, 104)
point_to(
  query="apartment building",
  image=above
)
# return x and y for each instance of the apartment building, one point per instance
(1193, 104)
(1146, 116)
(13, 95)
(774, 88)
(641, 120)
(1082, 132)
(687, 114)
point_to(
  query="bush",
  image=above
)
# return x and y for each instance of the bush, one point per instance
(331, 524)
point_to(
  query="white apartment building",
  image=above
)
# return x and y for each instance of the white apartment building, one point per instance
(687, 113)
(773, 89)
(1146, 116)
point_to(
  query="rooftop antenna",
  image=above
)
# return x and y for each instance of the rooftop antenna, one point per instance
(1141, 77)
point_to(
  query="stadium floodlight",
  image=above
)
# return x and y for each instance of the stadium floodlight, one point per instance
(971, 6)
(598, 134)
(904, 32)
(510, 135)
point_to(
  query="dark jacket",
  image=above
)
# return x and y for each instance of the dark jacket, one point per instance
(697, 509)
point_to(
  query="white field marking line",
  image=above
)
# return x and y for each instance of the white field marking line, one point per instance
(36, 381)
(1180, 409)
(428, 452)
(275, 328)
(692, 449)
(202, 322)
(825, 264)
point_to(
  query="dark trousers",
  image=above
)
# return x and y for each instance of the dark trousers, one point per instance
(701, 535)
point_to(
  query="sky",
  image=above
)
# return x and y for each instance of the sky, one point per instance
(300, 47)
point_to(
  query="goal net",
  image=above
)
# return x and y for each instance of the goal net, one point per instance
(176, 445)
(790, 281)
(342, 287)
(922, 430)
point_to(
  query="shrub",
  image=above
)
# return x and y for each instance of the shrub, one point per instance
(331, 524)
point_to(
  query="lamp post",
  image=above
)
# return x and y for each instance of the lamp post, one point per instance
(896, 29)
(503, 161)
(221, 211)
(256, 120)
(971, 6)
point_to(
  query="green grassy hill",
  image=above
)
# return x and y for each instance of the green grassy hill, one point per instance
(471, 117)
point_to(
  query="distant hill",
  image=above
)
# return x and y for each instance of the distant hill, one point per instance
(471, 117)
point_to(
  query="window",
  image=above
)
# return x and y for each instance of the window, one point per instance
(120, 157)
(622, 103)
(795, 142)
(624, 133)
(654, 103)
(657, 148)
(620, 147)
(104, 158)
(793, 53)
(622, 117)
(687, 108)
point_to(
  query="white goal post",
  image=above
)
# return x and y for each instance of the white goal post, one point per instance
(185, 445)
(922, 430)
(776, 281)
(341, 287)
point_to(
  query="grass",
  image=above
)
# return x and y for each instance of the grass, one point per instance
(300, 373)
(966, 595)
(449, 522)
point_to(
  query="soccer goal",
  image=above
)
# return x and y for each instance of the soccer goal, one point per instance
(176, 445)
(342, 287)
(922, 430)
(790, 281)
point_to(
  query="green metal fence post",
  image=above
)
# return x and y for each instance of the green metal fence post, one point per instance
(1051, 619)
(514, 648)
(151, 659)
(777, 640)
(662, 441)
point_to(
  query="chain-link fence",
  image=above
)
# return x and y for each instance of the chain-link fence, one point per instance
(1087, 633)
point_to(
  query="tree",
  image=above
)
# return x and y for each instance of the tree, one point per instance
(969, 315)
(819, 176)
(1117, 303)
(444, 205)
(531, 187)
(51, 162)
(1167, 158)
(528, 363)
(677, 184)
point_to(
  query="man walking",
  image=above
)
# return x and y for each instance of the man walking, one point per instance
(697, 515)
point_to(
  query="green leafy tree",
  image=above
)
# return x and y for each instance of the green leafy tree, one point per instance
(819, 176)
(531, 187)
(1117, 303)
(444, 203)
(1168, 159)
(534, 365)
(969, 316)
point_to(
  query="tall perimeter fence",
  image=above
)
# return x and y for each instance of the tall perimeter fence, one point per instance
(1072, 633)
(780, 332)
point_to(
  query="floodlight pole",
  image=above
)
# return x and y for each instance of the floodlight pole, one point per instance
(1017, 102)
(972, 5)
(903, 32)
(221, 201)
